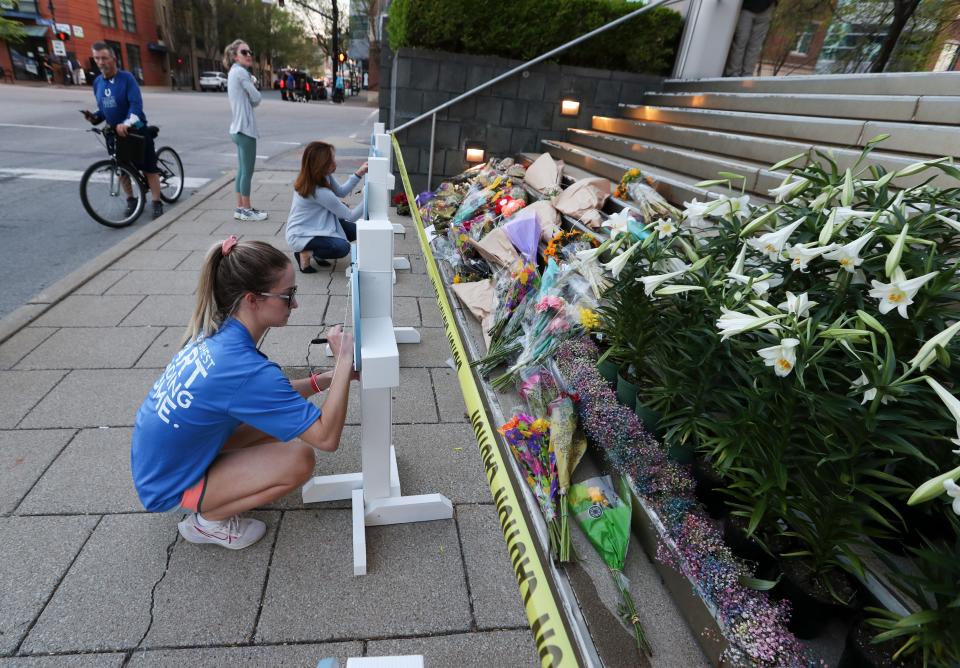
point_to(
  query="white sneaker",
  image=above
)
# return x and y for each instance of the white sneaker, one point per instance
(251, 214)
(234, 533)
(237, 213)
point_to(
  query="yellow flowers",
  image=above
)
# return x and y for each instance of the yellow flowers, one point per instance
(589, 319)
(457, 279)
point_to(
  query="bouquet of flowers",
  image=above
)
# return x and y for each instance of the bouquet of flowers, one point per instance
(400, 201)
(605, 519)
(636, 187)
(514, 287)
(529, 441)
(442, 206)
(555, 317)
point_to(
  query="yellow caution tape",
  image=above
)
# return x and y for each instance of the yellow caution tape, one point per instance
(543, 613)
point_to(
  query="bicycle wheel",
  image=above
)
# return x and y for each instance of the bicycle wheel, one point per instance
(171, 174)
(104, 197)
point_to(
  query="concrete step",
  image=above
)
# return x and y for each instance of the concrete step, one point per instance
(752, 148)
(867, 107)
(905, 137)
(676, 188)
(897, 83)
(842, 131)
(697, 164)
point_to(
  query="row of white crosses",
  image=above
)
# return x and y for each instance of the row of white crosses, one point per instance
(375, 491)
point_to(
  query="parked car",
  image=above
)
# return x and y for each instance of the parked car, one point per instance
(213, 81)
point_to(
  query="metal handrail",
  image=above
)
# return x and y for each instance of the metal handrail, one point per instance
(516, 70)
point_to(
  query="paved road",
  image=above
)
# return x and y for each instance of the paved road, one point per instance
(44, 150)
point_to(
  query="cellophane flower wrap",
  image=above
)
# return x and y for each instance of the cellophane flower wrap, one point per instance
(555, 316)
(529, 441)
(515, 287)
(605, 519)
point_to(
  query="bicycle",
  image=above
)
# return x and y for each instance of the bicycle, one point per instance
(106, 184)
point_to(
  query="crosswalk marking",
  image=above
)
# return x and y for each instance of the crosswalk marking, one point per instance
(73, 175)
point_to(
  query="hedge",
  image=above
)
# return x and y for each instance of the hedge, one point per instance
(524, 29)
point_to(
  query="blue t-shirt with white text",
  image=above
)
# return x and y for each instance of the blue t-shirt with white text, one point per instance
(210, 387)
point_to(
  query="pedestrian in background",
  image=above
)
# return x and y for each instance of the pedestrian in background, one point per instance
(752, 27)
(244, 96)
(319, 224)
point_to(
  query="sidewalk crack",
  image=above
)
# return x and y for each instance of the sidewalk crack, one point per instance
(153, 592)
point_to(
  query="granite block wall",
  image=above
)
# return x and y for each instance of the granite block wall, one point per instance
(512, 116)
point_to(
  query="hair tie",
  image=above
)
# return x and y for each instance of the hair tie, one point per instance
(228, 245)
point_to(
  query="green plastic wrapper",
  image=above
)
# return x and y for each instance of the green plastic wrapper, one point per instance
(605, 519)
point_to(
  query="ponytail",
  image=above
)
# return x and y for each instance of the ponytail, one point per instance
(230, 270)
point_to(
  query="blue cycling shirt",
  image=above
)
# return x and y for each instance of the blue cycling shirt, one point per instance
(209, 388)
(119, 97)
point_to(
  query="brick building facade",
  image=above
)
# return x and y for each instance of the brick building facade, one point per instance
(129, 26)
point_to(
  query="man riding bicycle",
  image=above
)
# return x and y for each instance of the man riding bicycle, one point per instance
(120, 104)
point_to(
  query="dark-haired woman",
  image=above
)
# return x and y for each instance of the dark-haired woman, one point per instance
(319, 224)
(223, 430)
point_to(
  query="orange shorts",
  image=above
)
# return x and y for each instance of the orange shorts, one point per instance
(193, 497)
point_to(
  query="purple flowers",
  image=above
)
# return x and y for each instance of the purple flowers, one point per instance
(754, 625)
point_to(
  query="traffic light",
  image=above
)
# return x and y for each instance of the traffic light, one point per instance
(179, 61)
(341, 57)
(63, 36)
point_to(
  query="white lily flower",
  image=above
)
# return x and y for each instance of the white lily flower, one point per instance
(617, 264)
(848, 255)
(782, 357)
(841, 214)
(739, 264)
(617, 223)
(899, 293)
(665, 227)
(695, 211)
(735, 206)
(787, 190)
(760, 286)
(950, 401)
(798, 305)
(869, 395)
(731, 323)
(801, 254)
(927, 352)
(651, 283)
(771, 244)
(590, 254)
(953, 491)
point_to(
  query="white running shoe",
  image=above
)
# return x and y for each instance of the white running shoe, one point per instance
(237, 213)
(234, 533)
(251, 214)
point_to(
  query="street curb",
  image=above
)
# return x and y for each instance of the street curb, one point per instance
(39, 304)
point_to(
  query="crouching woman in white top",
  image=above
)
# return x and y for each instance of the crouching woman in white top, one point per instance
(320, 226)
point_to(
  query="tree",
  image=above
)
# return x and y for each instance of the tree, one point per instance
(902, 12)
(11, 31)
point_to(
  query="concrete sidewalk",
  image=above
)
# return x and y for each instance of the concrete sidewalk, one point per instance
(91, 579)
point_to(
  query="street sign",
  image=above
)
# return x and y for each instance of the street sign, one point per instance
(78, 32)
(63, 27)
(58, 47)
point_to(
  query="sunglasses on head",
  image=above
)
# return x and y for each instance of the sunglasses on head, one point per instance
(246, 52)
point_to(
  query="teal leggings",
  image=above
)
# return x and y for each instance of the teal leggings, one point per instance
(247, 154)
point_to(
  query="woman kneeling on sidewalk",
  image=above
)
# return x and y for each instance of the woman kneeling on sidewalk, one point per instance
(319, 224)
(216, 435)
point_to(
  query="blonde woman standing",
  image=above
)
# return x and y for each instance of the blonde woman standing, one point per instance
(244, 96)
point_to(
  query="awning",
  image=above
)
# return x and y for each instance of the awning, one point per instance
(35, 31)
(157, 47)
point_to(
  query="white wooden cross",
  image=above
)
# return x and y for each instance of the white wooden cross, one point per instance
(375, 491)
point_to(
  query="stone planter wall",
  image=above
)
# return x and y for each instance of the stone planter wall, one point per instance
(510, 117)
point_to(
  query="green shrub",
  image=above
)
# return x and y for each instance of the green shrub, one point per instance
(525, 29)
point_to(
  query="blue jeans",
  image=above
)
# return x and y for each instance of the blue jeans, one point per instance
(333, 248)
